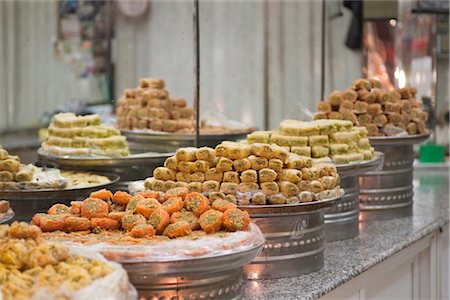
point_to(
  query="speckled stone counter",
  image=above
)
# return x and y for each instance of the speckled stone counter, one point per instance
(377, 241)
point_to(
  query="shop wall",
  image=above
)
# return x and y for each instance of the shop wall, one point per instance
(32, 80)
(158, 44)
(234, 35)
(243, 46)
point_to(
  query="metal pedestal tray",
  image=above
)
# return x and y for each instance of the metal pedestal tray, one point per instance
(26, 203)
(146, 140)
(342, 219)
(388, 193)
(294, 239)
(214, 277)
(129, 168)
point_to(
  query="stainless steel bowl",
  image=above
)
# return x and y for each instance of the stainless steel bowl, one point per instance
(388, 193)
(217, 277)
(294, 239)
(342, 219)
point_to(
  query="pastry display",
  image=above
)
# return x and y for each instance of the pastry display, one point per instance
(320, 140)
(150, 107)
(247, 174)
(382, 112)
(29, 265)
(56, 179)
(69, 134)
(12, 170)
(150, 224)
(16, 176)
(176, 213)
(77, 180)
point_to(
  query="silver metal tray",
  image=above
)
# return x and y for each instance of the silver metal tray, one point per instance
(163, 136)
(56, 193)
(26, 203)
(213, 277)
(141, 140)
(390, 140)
(103, 161)
(129, 168)
(294, 239)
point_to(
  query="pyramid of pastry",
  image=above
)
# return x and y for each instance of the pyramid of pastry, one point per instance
(383, 113)
(322, 140)
(149, 107)
(247, 174)
(69, 134)
(175, 214)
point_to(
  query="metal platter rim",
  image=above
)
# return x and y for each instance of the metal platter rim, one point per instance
(289, 208)
(140, 156)
(20, 194)
(7, 216)
(409, 139)
(193, 260)
(149, 135)
(362, 166)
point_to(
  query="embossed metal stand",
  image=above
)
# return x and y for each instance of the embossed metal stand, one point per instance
(342, 219)
(294, 239)
(388, 193)
(216, 277)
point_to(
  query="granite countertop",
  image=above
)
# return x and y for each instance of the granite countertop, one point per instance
(377, 241)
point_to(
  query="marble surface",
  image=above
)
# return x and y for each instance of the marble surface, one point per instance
(377, 241)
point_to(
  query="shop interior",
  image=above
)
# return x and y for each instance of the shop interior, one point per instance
(200, 149)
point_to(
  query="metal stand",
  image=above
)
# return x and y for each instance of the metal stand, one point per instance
(388, 194)
(294, 239)
(342, 219)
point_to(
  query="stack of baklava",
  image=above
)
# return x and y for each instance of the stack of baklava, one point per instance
(83, 135)
(383, 113)
(149, 107)
(247, 174)
(322, 140)
(12, 171)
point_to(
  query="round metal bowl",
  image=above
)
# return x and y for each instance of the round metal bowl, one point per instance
(213, 277)
(129, 168)
(294, 239)
(342, 219)
(146, 140)
(26, 203)
(388, 193)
